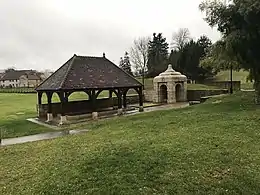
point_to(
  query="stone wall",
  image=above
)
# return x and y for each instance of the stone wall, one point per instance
(149, 95)
(84, 107)
(192, 95)
(195, 95)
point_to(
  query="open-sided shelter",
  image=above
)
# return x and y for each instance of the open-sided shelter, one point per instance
(91, 75)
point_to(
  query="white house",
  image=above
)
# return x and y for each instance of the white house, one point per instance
(21, 78)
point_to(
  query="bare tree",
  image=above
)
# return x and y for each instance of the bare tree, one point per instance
(179, 38)
(139, 54)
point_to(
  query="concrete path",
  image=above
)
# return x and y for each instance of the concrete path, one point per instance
(41, 136)
(248, 90)
(36, 121)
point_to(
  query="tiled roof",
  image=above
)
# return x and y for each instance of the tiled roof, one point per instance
(84, 72)
(16, 74)
(13, 74)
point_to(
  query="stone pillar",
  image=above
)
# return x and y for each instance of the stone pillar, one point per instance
(94, 115)
(120, 111)
(171, 93)
(156, 92)
(185, 91)
(63, 120)
(49, 117)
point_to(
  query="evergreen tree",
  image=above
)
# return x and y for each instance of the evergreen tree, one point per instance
(157, 55)
(173, 60)
(125, 64)
(239, 24)
(187, 60)
(121, 63)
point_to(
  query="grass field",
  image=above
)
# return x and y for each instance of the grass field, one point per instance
(16, 108)
(212, 148)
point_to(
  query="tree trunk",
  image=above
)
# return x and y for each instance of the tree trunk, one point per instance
(257, 86)
(257, 91)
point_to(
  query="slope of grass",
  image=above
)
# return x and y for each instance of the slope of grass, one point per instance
(211, 148)
(237, 76)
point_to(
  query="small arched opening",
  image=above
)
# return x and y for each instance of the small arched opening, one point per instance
(178, 93)
(78, 96)
(163, 94)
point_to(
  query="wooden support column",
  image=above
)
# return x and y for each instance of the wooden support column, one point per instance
(39, 98)
(124, 99)
(63, 117)
(119, 98)
(39, 107)
(110, 94)
(141, 108)
(67, 94)
(93, 98)
(49, 111)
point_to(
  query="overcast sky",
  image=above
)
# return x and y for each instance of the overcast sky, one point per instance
(43, 34)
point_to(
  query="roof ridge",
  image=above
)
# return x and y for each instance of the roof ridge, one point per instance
(67, 73)
(89, 56)
(53, 73)
(124, 71)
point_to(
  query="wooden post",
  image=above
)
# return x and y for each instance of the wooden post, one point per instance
(39, 98)
(124, 99)
(94, 106)
(119, 98)
(231, 79)
(49, 112)
(110, 94)
(141, 108)
(63, 118)
(62, 101)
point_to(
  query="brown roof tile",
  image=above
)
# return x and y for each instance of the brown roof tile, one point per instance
(84, 72)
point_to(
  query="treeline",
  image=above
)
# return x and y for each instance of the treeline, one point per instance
(151, 56)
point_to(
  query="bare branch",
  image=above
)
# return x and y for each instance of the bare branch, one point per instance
(180, 38)
(139, 53)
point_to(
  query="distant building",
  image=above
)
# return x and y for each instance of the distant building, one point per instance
(21, 78)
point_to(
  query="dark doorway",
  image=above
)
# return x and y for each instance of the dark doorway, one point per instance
(163, 94)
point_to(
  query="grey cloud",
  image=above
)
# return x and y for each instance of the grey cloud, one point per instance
(39, 36)
(32, 34)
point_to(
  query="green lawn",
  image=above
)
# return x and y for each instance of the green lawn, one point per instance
(212, 148)
(237, 76)
(16, 108)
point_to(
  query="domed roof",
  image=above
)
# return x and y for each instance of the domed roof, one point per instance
(171, 74)
(169, 71)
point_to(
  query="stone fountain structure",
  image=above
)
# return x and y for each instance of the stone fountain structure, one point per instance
(170, 87)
